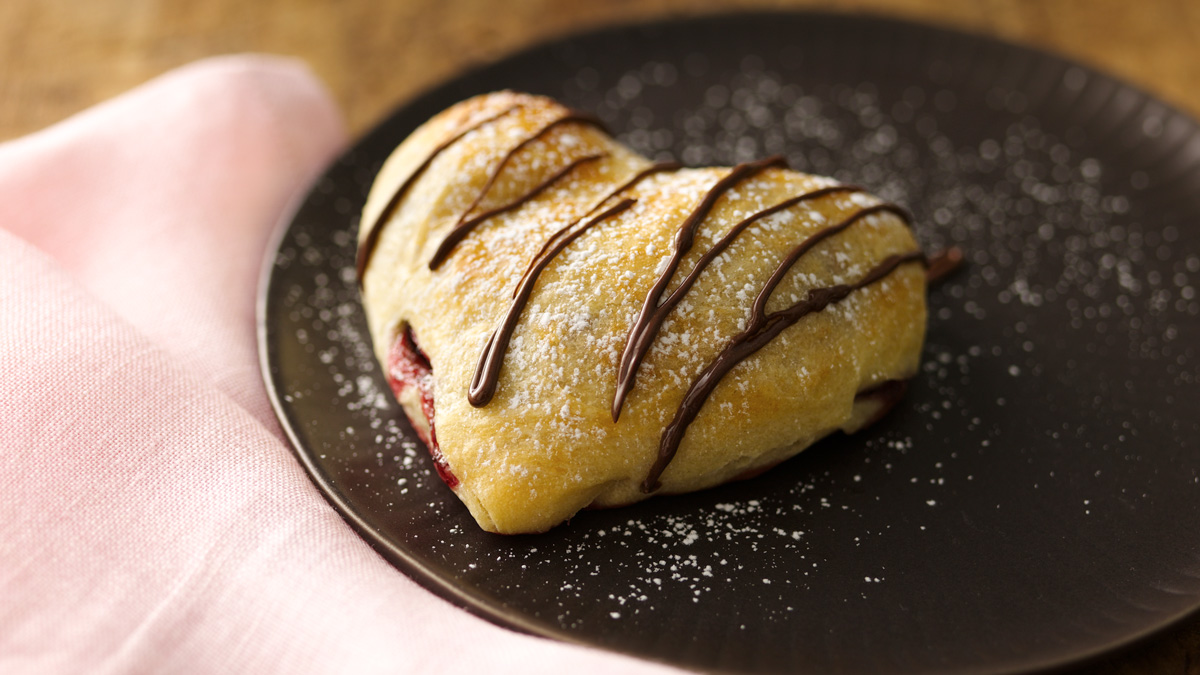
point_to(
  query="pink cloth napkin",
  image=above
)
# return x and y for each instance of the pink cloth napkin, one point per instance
(152, 518)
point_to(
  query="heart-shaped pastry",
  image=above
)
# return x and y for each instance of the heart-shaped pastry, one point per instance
(567, 324)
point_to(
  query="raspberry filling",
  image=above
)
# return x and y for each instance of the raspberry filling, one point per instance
(409, 368)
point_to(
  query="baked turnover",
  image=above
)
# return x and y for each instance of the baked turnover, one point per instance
(568, 324)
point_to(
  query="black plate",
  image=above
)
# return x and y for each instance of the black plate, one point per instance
(1036, 498)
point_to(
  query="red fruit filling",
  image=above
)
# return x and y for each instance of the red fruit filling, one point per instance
(409, 367)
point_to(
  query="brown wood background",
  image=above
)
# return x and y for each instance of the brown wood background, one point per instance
(60, 56)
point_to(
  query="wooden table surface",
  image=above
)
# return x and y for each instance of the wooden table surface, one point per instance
(60, 56)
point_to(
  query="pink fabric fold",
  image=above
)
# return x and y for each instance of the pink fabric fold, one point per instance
(152, 518)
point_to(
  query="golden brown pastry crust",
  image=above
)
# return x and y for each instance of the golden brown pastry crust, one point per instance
(546, 445)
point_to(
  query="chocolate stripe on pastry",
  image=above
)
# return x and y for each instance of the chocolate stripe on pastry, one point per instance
(647, 320)
(759, 321)
(762, 329)
(759, 310)
(651, 328)
(367, 247)
(464, 227)
(465, 223)
(637, 178)
(487, 373)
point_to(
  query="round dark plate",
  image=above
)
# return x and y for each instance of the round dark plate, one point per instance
(1035, 500)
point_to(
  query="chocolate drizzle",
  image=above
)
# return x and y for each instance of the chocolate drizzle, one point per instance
(367, 247)
(637, 178)
(466, 223)
(487, 373)
(650, 329)
(645, 326)
(763, 327)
